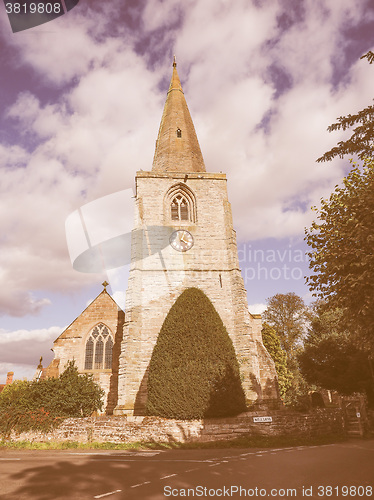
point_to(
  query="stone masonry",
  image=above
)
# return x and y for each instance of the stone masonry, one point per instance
(71, 345)
(159, 273)
(161, 430)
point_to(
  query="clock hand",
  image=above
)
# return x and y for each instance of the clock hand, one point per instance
(182, 238)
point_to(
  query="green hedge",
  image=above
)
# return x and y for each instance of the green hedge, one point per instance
(41, 405)
(193, 371)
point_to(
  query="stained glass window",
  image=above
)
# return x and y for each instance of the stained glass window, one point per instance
(99, 353)
(89, 354)
(99, 349)
(108, 353)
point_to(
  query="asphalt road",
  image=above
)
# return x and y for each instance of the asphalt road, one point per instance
(344, 470)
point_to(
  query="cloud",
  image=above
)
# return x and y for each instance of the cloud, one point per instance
(257, 308)
(70, 46)
(261, 87)
(83, 146)
(34, 203)
(25, 336)
(266, 135)
(20, 371)
(20, 350)
(13, 156)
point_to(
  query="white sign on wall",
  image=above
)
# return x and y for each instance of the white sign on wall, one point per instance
(262, 419)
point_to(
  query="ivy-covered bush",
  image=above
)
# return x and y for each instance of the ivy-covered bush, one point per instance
(193, 371)
(272, 344)
(41, 405)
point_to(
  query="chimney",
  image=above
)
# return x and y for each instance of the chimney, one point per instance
(9, 378)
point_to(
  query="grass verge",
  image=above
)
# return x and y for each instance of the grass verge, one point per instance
(240, 442)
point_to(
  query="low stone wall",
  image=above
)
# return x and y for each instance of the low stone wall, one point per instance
(370, 415)
(154, 429)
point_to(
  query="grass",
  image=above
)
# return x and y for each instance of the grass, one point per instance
(240, 442)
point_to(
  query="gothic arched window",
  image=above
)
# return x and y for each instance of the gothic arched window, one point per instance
(99, 349)
(181, 202)
(179, 208)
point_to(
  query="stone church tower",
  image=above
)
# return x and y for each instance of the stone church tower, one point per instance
(183, 237)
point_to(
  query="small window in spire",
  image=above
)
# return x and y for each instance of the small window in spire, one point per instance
(179, 132)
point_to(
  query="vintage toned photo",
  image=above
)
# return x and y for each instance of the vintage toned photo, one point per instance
(186, 249)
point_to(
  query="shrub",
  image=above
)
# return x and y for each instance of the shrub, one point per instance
(41, 405)
(73, 394)
(193, 371)
(273, 346)
(20, 412)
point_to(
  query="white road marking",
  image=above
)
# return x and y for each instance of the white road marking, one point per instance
(270, 451)
(114, 459)
(170, 475)
(10, 459)
(140, 484)
(107, 494)
(145, 454)
(130, 454)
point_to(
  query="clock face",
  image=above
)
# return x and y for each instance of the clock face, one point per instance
(181, 240)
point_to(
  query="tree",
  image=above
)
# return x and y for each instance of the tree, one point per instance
(193, 371)
(272, 344)
(21, 413)
(361, 141)
(342, 257)
(332, 360)
(74, 394)
(41, 405)
(288, 314)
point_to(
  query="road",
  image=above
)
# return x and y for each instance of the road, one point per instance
(343, 470)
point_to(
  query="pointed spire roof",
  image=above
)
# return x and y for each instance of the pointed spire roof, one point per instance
(177, 147)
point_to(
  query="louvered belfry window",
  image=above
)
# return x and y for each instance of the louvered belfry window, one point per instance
(180, 208)
(180, 203)
(99, 349)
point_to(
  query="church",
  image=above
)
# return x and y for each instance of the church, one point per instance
(183, 237)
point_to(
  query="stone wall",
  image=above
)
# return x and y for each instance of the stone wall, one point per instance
(159, 274)
(154, 429)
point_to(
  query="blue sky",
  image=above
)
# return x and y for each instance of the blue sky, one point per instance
(81, 102)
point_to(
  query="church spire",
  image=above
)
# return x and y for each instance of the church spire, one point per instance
(177, 147)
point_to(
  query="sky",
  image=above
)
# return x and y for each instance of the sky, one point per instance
(80, 105)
